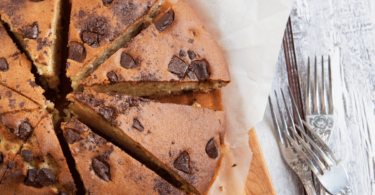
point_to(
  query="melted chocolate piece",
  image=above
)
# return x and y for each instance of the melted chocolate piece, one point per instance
(24, 130)
(90, 39)
(27, 155)
(107, 112)
(182, 53)
(45, 177)
(192, 55)
(72, 137)
(31, 32)
(30, 178)
(178, 67)
(138, 125)
(4, 65)
(165, 21)
(211, 149)
(127, 61)
(112, 76)
(182, 162)
(101, 168)
(77, 52)
(199, 67)
(107, 2)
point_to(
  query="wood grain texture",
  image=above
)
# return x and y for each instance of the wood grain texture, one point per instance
(345, 30)
(259, 180)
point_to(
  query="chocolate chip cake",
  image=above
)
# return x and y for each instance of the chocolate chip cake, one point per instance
(183, 141)
(98, 28)
(40, 167)
(36, 25)
(106, 169)
(172, 55)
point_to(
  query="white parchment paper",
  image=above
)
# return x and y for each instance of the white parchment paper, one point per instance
(250, 33)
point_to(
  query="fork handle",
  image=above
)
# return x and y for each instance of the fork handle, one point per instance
(306, 176)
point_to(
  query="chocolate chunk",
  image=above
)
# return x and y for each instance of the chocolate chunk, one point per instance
(192, 55)
(24, 130)
(211, 149)
(30, 178)
(31, 32)
(77, 52)
(127, 61)
(107, 2)
(182, 162)
(182, 53)
(4, 65)
(36, 0)
(191, 75)
(164, 188)
(165, 21)
(45, 177)
(101, 168)
(1, 157)
(72, 137)
(90, 39)
(62, 193)
(178, 67)
(138, 125)
(112, 76)
(199, 67)
(27, 155)
(107, 112)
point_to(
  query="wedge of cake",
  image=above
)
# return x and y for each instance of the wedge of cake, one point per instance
(15, 129)
(36, 26)
(172, 55)
(40, 167)
(15, 70)
(98, 28)
(181, 141)
(106, 169)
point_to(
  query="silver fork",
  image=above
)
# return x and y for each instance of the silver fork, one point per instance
(297, 162)
(332, 176)
(321, 120)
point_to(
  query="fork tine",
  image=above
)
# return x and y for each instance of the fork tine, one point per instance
(330, 92)
(323, 109)
(287, 110)
(282, 116)
(315, 98)
(325, 146)
(302, 155)
(317, 148)
(307, 99)
(310, 152)
(275, 123)
(295, 110)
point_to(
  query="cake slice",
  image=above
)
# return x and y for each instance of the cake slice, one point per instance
(182, 142)
(172, 55)
(106, 169)
(15, 70)
(98, 28)
(40, 167)
(36, 25)
(15, 128)
(11, 101)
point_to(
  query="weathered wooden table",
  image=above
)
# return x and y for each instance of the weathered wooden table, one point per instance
(345, 30)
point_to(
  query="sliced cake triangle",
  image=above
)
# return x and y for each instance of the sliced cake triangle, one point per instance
(106, 169)
(184, 142)
(36, 25)
(173, 55)
(98, 28)
(40, 167)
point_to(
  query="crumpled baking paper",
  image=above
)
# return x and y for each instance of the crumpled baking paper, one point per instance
(250, 33)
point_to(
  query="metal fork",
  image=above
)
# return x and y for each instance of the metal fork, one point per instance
(321, 120)
(297, 162)
(332, 176)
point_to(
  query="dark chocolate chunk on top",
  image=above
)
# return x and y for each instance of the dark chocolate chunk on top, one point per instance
(24, 130)
(127, 61)
(192, 55)
(30, 178)
(32, 31)
(107, 112)
(107, 2)
(101, 168)
(138, 125)
(182, 162)
(112, 77)
(27, 155)
(165, 21)
(45, 177)
(4, 65)
(77, 52)
(178, 67)
(199, 67)
(72, 137)
(211, 149)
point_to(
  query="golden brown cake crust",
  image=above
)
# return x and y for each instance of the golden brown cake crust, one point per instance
(46, 153)
(152, 51)
(168, 130)
(11, 101)
(108, 22)
(8, 47)
(126, 174)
